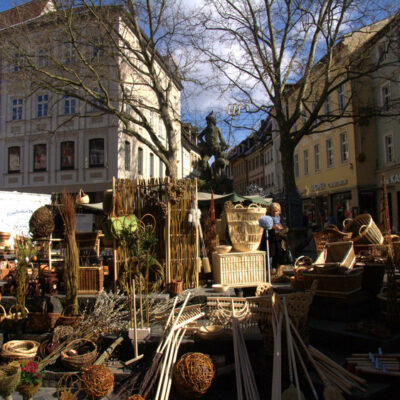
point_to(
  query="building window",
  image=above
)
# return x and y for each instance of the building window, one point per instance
(96, 153)
(97, 51)
(16, 109)
(69, 105)
(344, 147)
(39, 157)
(161, 167)
(389, 148)
(140, 161)
(17, 63)
(67, 152)
(43, 58)
(151, 165)
(305, 157)
(42, 105)
(385, 93)
(341, 97)
(69, 53)
(14, 159)
(127, 148)
(327, 107)
(296, 166)
(329, 153)
(317, 155)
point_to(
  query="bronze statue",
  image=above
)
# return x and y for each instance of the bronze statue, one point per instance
(212, 143)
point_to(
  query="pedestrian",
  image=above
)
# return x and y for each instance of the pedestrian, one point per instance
(271, 222)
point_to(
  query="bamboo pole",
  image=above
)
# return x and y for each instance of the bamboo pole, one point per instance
(107, 353)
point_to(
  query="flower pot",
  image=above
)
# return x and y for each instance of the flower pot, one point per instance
(176, 287)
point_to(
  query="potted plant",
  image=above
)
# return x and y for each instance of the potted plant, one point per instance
(31, 380)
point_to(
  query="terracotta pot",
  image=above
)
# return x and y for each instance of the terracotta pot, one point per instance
(176, 287)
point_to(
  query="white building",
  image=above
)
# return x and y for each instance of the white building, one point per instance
(49, 142)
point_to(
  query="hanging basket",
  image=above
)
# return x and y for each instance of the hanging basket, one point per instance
(82, 198)
(363, 229)
(244, 230)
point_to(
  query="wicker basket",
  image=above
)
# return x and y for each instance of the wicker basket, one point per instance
(328, 236)
(91, 280)
(239, 269)
(335, 285)
(336, 257)
(19, 350)
(244, 230)
(86, 353)
(363, 229)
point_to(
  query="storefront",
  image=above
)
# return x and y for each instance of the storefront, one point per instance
(392, 179)
(341, 207)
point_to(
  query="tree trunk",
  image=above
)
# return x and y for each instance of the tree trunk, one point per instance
(293, 206)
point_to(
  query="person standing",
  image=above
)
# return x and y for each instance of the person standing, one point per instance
(271, 222)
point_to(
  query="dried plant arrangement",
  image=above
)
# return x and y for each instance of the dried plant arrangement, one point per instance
(71, 277)
(41, 223)
(25, 252)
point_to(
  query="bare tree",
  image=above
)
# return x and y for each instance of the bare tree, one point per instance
(286, 58)
(107, 55)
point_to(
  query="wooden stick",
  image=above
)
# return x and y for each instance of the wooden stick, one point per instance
(274, 368)
(107, 353)
(299, 356)
(325, 358)
(173, 363)
(334, 380)
(237, 360)
(136, 351)
(291, 351)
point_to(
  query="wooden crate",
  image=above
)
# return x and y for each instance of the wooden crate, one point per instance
(335, 285)
(91, 280)
(239, 269)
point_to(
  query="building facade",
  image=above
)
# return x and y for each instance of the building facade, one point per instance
(49, 142)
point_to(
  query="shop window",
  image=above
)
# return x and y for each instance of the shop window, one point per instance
(14, 159)
(67, 151)
(151, 165)
(39, 157)
(96, 153)
(42, 109)
(296, 166)
(305, 159)
(317, 157)
(344, 147)
(16, 109)
(389, 148)
(140, 161)
(329, 153)
(127, 149)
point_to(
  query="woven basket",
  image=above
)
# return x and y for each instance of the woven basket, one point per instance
(9, 378)
(69, 320)
(363, 229)
(86, 354)
(42, 322)
(19, 350)
(336, 257)
(244, 230)
(329, 235)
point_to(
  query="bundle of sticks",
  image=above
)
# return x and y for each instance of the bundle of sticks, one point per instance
(336, 379)
(375, 363)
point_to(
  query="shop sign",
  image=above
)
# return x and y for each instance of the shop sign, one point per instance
(318, 186)
(395, 178)
(338, 183)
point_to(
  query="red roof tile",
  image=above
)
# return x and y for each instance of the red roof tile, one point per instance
(22, 13)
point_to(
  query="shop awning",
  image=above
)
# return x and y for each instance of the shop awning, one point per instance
(205, 198)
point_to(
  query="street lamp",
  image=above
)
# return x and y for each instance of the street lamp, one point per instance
(233, 110)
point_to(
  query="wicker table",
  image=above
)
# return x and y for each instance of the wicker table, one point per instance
(239, 269)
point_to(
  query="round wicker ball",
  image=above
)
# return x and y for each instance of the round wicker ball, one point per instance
(135, 397)
(98, 381)
(193, 375)
(41, 224)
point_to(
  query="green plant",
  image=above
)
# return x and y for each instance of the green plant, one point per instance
(30, 373)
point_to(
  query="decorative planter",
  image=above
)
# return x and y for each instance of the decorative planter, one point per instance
(176, 287)
(28, 390)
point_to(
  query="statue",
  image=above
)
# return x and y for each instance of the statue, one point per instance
(212, 143)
